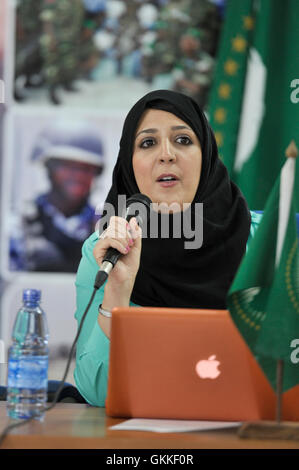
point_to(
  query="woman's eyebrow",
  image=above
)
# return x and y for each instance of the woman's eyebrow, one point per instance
(153, 131)
(147, 131)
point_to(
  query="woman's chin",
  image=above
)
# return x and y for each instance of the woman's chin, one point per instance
(171, 207)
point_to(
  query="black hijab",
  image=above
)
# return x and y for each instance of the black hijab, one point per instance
(171, 275)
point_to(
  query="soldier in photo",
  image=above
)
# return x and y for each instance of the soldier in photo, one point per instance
(62, 22)
(194, 68)
(94, 18)
(49, 237)
(160, 55)
(28, 59)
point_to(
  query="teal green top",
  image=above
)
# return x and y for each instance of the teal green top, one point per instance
(92, 356)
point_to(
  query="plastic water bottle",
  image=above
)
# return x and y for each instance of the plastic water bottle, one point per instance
(27, 378)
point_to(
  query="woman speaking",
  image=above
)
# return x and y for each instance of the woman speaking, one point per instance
(167, 152)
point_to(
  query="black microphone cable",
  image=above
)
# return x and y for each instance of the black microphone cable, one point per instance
(101, 278)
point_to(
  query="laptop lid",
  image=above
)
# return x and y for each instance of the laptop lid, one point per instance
(186, 364)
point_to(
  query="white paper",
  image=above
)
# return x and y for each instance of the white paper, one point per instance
(172, 425)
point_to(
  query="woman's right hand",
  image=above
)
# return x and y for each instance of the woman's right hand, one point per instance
(126, 238)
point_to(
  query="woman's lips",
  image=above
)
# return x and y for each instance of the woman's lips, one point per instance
(167, 184)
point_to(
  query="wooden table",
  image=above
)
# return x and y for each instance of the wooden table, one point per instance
(74, 426)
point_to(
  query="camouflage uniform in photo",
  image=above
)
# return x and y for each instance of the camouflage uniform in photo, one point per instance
(62, 22)
(193, 72)
(28, 60)
(162, 52)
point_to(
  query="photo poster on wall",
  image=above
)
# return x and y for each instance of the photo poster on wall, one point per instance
(106, 54)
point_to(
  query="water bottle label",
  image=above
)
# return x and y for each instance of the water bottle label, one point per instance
(28, 372)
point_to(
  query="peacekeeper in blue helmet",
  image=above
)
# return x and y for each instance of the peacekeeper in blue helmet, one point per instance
(61, 219)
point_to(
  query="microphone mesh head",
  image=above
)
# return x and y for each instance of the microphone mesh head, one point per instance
(138, 206)
(142, 198)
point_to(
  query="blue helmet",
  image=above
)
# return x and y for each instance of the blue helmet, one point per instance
(70, 140)
(95, 6)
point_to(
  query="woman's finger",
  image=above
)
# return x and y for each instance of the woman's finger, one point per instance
(134, 229)
(104, 244)
(119, 231)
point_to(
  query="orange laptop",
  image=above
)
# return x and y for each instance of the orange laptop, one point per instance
(186, 364)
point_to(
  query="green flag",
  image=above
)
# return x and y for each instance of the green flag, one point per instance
(264, 297)
(254, 101)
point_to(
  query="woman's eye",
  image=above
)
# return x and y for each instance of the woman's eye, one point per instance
(184, 140)
(147, 143)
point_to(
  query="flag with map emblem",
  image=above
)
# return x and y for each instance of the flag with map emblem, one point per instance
(254, 100)
(264, 297)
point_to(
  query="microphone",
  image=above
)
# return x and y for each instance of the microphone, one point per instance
(137, 206)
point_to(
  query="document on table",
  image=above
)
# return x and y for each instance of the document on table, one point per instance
(172, 425)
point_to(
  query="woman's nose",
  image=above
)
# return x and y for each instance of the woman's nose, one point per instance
(167, 151)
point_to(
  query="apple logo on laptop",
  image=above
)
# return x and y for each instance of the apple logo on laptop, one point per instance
(208, 368)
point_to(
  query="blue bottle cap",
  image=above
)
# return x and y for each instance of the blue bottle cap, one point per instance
(31, 295)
